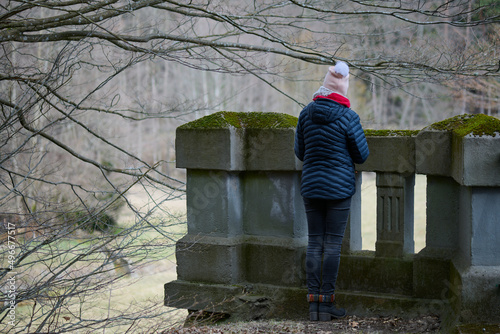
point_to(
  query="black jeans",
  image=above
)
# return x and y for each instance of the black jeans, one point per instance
(326, 220)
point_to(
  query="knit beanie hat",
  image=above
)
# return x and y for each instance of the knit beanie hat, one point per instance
(337, 78)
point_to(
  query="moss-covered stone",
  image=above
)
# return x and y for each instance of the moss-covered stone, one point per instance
(390, 133)
(249, 120)
(463, 125)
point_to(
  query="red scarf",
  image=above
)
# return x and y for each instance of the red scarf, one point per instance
(337, 98)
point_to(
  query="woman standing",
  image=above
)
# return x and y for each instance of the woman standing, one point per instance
(329, 140)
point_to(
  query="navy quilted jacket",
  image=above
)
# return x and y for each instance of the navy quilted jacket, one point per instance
(329, 140)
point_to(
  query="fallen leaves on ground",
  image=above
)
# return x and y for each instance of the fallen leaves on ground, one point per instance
(350, 324)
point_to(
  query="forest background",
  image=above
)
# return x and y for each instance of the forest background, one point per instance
(91, 93)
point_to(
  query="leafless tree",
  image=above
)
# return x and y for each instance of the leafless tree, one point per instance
(88, 90)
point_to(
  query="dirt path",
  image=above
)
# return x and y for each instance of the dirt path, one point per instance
(350, 324)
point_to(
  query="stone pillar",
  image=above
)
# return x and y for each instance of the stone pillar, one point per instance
(394, 214)
(461, 157)
(244, 252)
(431, 268)
(477, 262)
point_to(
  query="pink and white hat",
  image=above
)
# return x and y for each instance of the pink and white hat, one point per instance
(337, 78)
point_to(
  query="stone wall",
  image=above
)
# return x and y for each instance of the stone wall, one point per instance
(244, 251)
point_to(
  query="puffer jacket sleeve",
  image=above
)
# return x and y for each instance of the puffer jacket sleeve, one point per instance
(299, 142)
(358, 147)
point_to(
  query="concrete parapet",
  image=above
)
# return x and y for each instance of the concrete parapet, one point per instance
(479, 226)
(246, 202)
(363, 271)
(238, 142)
(270, 260)
(476, 294)
(211, 149)
(476, 161)
(272, 205)
(433, 152)
(247, 233)
(246, 219)
(209, 259)
(465, 147)
(213, 203)
(390, 154)
(243, 302)
(442, 214)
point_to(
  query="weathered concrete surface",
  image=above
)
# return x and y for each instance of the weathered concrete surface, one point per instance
(272, 205)
(369, 286)
(352, 237)
(476, 161)
(479, 226)
(246, 222)
(470, 160)
(442, 214)
(209, 259)
(213, 200)
(390, 154)
(433, 152)
(236, 149)
(243, 302)
(475, 293)
(245, 247)
(363, 271)
(212, 149)
(395, 194)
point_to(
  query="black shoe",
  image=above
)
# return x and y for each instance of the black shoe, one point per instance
(327, 309)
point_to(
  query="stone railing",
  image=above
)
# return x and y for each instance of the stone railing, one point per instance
(244, 252)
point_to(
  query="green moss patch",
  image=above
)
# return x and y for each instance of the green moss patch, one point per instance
(391, 133)
(476, 125)
(249, 120)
